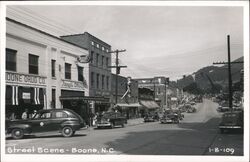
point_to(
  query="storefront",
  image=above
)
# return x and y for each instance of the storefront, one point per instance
(130, 110)
(24, 92)
(148, 106)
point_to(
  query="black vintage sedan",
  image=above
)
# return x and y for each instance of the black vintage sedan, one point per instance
(111, 119)
(64, 121)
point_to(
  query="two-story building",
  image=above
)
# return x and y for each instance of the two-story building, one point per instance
(158, 85)
(127, 100)
(42, 71)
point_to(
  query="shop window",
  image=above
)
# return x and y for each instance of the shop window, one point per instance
(67, 71)
(53, 102)
(97, 81)
(92, 79)
(53, 68)
(103, 77)
(107, 82)
(11, 59)
(8, 95)
(33, 64)
(80, 73)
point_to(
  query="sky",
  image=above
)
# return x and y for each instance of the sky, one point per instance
(169, 41)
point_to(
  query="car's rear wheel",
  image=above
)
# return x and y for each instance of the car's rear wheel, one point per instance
(67, 131)
(122, 125)
(17, 133)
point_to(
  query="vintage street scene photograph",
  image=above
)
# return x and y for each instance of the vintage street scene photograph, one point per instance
(124, 80)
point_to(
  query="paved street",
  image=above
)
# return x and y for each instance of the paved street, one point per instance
(197, 134)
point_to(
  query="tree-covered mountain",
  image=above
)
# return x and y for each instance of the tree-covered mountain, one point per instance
(211, 78)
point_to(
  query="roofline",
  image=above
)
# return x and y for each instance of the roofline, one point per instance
(89, 35)
(43, 32)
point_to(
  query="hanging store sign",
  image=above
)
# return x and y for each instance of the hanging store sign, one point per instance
(72, 85)
(24, 78)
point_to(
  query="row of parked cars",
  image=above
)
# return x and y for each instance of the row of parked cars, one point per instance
(64, 121)
(168, 116)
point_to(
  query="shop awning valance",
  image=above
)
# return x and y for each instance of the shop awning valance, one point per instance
(85, 98)
(149, 104)
(128, 105)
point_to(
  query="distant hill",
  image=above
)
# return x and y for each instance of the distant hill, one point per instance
(218, 76)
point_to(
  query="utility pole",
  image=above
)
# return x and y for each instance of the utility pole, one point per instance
(118, 68)
(229, 72)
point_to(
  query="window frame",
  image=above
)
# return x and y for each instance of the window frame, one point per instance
(67, 71)
(10, 64)
(33, 64)
(53, 68)
(80, 73)
(97, 80)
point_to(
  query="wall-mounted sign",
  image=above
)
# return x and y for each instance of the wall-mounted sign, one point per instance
(11, 77)
(74, 85)
(26, 95)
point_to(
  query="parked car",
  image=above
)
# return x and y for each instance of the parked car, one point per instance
(231, 121)
(151, 117)
(179, 113)
(223, 107)
(65, 121)
(190, 109)
(170, 117)
(111, 119)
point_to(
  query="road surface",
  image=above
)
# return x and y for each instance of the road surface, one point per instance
(197, 134)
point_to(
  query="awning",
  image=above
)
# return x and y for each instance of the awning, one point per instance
(85, 98)
(149, 104)
(128, 105)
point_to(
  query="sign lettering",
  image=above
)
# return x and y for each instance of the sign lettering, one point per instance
(24, 78)
(72, 84)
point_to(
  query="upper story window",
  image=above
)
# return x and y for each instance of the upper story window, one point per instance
(33, 64)
(92, 43)
(53, 68)
(102, 61)
(92, 79)
(97, 59)
(103, 48)
(67, 71)
(80, 73)
(97, 45)
(107, 82)
(103, 78)
(107, 50)
(92, 56)
(11, 59)
(107, 62)
(97, 80)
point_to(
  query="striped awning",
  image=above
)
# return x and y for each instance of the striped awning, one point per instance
(149, 104)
